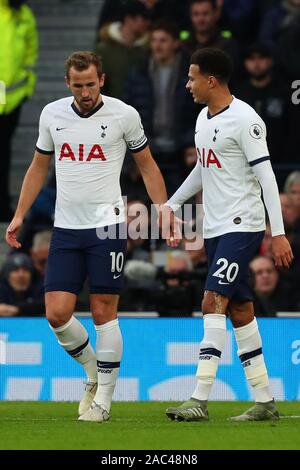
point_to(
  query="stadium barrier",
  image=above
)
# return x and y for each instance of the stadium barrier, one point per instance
(159, 361)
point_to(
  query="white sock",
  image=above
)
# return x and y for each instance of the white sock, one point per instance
(211, 349)
(109, 348)
(250, 353)
(74, 338)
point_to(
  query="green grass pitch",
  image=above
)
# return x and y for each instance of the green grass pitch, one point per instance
(142, 425)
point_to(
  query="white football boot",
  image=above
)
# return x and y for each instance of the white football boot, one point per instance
(96, 413)
(88, 397)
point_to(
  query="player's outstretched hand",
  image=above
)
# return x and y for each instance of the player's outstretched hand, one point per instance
(282, 251)
(170, 226)
(12, 232)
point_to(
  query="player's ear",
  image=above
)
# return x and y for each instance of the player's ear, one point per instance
(211, 81)
(67, 81)
(102, 80)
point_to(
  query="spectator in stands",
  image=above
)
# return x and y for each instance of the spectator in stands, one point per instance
(132, 182)
(196, 252)
(190, 158)
(287, 57)
(41, 215)
(269, 96)
(266, 244)
(174, 10)
(19, 295)
(205, 16)
(140, 286)
(39, 253)
(292, 187)
(18, 55)
(179, 293)
(156, 88)
(290, 215)
(271, 294)
(287, 53)
(178, 262)
(278, 20)
(290, 204)
(138, 236)
(240, 18)
(123, 44)
(111, 12)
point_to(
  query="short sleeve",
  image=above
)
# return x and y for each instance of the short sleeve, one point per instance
(134, 132)
(253, 139)
(45, 143)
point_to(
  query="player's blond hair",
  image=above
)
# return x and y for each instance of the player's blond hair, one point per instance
(81, 60)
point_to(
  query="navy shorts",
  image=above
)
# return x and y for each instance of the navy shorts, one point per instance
(229, 256)
(79, 254)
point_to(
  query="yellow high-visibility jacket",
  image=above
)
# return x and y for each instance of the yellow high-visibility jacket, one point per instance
(18, 54)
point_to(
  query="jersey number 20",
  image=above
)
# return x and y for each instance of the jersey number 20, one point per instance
(231, 270)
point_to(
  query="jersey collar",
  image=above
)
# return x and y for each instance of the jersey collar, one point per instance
(210, 116)
(76, 110)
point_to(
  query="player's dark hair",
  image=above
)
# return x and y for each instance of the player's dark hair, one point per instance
(166, 26)
(81, 60)
(212, 2)
(213, 61)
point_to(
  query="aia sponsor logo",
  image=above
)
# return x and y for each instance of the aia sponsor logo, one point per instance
(208, 158)
(80, 154)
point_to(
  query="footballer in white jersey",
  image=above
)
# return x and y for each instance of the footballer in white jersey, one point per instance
(89, 151)
(228, 145)
(88, 134)
(233, 169)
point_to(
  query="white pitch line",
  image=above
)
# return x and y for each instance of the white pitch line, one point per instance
(34, 419)
(293, 416)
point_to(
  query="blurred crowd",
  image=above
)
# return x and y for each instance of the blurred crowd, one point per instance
(145, 47)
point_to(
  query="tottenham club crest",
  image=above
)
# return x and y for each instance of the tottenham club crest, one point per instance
(103, 133)
(215, 136)
(256, 131)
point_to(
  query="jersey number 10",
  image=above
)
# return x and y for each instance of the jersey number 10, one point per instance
(117, 261)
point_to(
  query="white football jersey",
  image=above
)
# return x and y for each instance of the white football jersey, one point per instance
(228, 144)
(89, 153)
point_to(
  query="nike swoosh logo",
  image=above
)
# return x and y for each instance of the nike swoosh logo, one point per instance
(60, 128)
(196, 132)
(116, 277)
(221, 282)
